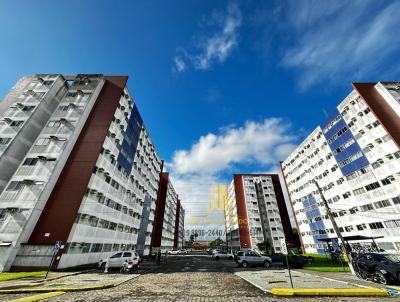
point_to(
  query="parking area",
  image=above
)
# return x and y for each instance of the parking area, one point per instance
(195, 278)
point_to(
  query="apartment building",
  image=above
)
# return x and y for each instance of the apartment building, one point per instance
(80, 169)
(179, 236)
(255, 212)
(354, 156)
(164, 224)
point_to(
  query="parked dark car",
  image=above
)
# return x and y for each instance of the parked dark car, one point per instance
(382, 268)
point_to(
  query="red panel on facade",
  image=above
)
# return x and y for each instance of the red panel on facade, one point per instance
(63, 204)
(291, 206)
(382, 110)
(243, 222)
(283, 212)
(160, 210)
(177, 219)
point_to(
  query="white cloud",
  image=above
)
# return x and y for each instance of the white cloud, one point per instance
(217, 47)
(330, 42)
(262, 143)
(340, 41)
(194, 171)
(179, 64)
(219, 44)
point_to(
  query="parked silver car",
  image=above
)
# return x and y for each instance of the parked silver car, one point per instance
(246, 258)
(222, 255)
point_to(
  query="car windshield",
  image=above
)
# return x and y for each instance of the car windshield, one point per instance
(394, 258)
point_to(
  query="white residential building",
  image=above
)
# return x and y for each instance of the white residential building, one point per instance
(354, 156)
(255, 212)
(85, 169)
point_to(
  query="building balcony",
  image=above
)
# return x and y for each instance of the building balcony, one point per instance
(26, 197)
(54, 147)
(39, 171)
(65, 129)
(9, 130)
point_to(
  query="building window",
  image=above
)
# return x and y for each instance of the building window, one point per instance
(28, 108)
(72, 94)
(42, 142)
(4, 140)
(63, 108)
(16, 123)
(382, 204)
(96, 247)
(54, 124)
(15, 186)
(30, 161)
(367, 207)
(396, 200)
(48, 82)
(376, 225)
(361, 227)
(372, 186)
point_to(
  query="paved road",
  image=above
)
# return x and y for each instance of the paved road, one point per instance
(190, 279)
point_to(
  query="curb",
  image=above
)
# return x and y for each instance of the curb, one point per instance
(252, 283)
(331, 279)
(34, 289)
(341, 292)
(38, 282)
(60, 289)
(38, 297)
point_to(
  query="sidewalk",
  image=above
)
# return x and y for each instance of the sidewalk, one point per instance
(266, 280)
(277, 282)
(76, 281)
(345, 277)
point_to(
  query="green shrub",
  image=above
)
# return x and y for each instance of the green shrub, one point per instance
(294, 262)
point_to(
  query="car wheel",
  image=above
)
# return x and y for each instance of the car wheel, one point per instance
(103, 266)
(267, 264)
(380, 278)
(230, 258)
(245, 264)
(217, 258)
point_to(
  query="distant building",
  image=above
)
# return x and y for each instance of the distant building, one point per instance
(255, 212)
(167, 213)
(179, 237)
(77, 165)
(354, 155)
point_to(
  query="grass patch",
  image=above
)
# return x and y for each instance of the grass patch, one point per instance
(13, 276)
(322, 263)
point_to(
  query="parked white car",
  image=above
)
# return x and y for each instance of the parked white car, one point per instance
(178, 252)
(118, 259)
(222, 255)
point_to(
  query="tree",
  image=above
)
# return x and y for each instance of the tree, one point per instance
(264, 246)
(216, 243)
(190, 242)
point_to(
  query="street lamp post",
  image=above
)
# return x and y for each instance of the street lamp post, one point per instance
(335, 227)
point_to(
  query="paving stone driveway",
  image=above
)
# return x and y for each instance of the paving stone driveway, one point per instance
(190, 279)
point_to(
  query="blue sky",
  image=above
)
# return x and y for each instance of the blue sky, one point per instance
(223, 87)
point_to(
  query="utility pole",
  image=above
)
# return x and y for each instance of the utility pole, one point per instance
(335, 227)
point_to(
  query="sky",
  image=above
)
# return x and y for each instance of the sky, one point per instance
(223, 86)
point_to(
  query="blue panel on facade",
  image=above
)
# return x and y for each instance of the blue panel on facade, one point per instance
(350, 150)
(355, 165)
(330, 118)
(339, 141)
(130, 141)
(339, 125)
